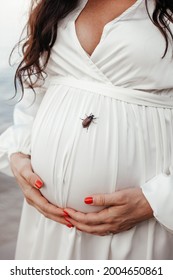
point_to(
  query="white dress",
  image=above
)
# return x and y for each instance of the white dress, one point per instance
(128, 87)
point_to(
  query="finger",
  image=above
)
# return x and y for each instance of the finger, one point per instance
(100, 230)
(21, 166)
(110, 225)
(32, 178)
(43, 204)
(104, 216)
(50, 211)
(111, 199)
(38, 201)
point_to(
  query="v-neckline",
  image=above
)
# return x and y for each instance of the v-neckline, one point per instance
(80, 9)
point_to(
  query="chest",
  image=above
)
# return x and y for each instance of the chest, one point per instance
(94, 17)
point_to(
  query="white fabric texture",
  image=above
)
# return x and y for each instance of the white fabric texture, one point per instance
(129, 145)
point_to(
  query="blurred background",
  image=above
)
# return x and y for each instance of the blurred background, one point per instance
(13, 16)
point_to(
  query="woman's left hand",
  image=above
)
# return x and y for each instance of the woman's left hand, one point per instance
(123, 210)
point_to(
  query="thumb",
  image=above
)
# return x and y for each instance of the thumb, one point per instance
(21, 164)
(102, 199)
(32, 178)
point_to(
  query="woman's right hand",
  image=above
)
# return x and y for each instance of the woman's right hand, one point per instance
(30, 183)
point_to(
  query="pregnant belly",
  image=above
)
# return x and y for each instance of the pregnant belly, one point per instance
(75, 162)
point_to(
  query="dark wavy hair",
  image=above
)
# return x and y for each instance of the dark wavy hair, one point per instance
(42, 30)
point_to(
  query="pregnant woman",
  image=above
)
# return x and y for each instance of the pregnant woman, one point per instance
(92, 147)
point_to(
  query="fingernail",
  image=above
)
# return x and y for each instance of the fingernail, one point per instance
(66, 214)
(38, 184)
(88, 200)
(67, 220)
(70, 225)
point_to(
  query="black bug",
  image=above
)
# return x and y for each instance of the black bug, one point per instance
(88, 120)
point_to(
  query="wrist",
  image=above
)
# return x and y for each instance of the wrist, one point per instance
(19, 154)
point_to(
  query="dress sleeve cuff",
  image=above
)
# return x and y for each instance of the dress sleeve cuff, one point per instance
(17, 138)
(159, 193)
(13, 140)
(23, 150)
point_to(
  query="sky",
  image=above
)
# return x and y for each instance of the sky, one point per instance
(13, 15)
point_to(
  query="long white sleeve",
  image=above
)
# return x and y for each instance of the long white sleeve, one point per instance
(159, 193)
(17, 137)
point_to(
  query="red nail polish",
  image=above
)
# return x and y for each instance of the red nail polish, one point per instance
(70, 225)
(66, 214)
(38, 184)
(88, 200)
(67, 220)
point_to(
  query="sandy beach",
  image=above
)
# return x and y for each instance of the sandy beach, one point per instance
(11, 198)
